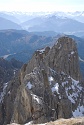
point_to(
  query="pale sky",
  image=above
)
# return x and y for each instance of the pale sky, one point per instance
(41, 5)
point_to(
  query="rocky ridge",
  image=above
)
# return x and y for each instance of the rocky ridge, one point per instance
(49, 87)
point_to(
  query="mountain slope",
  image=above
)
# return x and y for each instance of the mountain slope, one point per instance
(31, 20)
(8, 69)
(9, 16)
(53, 23)
(21, 44)
(80, 47)
(7, 24)
(49, 87)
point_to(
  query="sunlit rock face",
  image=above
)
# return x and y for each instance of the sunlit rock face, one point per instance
(49, 87)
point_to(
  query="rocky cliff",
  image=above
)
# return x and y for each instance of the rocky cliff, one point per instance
(49, 87)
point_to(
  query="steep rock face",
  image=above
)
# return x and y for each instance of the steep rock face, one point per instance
(7, 99)
(22, 109)
(49, 86)
(63, 57)
(8, 70)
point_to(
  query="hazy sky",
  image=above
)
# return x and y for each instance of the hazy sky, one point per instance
(41, 5)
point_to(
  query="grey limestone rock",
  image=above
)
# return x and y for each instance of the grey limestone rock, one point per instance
(50, 86)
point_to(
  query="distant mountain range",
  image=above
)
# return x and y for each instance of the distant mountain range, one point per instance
(44, 28)
(53, 23)
(9, 16)
(7, 24)
(60, 22)
(20, 44)
(24, 16)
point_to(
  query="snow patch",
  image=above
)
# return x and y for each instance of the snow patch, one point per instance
(62, 73)
(53, 71)
(60, 46)
(29, 85)
(35, 97)
(64, 83)
(69, 77)
(55, 88)
(75, 88)
(50, 79)
(9, 92)
(56, 43)
(70, 96)
(41, 51)
(81, 59)
(79, 111)
(14, 72)
(3, 92)
(74, 81)
(6, 56)
(29, 123)
(71, 99)
(72, 52)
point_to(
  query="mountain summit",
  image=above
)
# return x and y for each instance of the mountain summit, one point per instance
(49, 87)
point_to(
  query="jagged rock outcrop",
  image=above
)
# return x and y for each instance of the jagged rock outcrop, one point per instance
(22, 111)
(8, 70)
(49, 87)
(63, 57)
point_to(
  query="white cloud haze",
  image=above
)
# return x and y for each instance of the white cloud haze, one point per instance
(41, 5)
